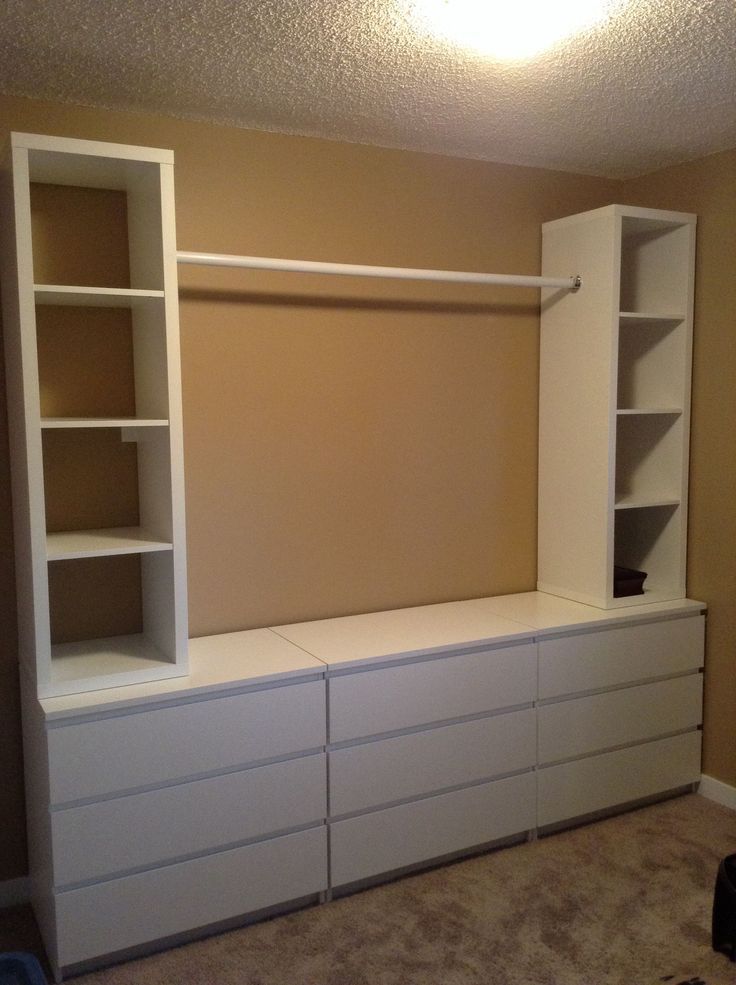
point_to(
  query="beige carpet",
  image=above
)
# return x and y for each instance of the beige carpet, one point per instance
(625, 900)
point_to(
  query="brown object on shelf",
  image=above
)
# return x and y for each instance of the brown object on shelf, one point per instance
(627, 581)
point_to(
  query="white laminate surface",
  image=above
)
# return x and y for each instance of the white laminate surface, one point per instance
(597, 782)
(389, 770)
(352, 640)
(547, 614)
(122, 913)
(143, 830)
(403, 696)
(260, 656)
(70, 544)
(619, 655)
(377, 842)
(582, 726)
(123, 753)
(216, 663)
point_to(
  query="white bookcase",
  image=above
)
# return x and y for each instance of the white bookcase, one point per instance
(615, 369)
(97, 478)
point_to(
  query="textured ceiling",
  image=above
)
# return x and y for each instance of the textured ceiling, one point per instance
(653, 86)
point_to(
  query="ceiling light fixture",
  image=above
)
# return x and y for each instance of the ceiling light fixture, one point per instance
(510, 30)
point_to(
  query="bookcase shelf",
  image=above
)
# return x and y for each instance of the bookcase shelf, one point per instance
(90, 665)
(97, 297)
(663, 411)
(640, 502)
(647, 319)
(102, 543)
(101, 422)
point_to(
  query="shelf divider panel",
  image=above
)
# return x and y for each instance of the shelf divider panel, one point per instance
(96, 297)
(71, 544)
(101, 422)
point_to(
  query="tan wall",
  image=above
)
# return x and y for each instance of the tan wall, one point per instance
(708, 188)
(348, 446)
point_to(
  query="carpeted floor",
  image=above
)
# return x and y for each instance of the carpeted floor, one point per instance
(625, 900)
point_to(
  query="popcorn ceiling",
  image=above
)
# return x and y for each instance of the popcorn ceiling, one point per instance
(654, 86)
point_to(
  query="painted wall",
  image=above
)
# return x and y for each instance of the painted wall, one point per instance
(348, 446)
(708, 188)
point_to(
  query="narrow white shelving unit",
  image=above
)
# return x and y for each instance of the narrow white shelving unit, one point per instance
(615, 405)
(95, 414)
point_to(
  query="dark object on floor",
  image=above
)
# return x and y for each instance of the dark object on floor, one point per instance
(20, 968)
(627, 581)
(724, 908)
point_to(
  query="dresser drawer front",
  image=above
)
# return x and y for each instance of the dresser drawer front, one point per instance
(390, 839)
(111, 755)
(622, 655)
(418, 764)
(593, 784)
(147, 829)
(633, 714)
(122, 913)
(404, 696)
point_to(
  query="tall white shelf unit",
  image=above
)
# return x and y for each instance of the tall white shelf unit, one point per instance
(159, 648)
(615, 368)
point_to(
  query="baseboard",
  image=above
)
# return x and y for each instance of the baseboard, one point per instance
(721, 793)
(14, 892)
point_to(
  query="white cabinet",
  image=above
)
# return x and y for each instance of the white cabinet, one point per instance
(137, 867)
(162, 808)
(558, 711)
(432, 734)
(615, 404)
(90, 309)
(454, 770)
(192, 823)
(619, 715)
(271, 776)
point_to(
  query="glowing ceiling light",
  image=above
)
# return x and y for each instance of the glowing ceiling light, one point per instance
(510, 30)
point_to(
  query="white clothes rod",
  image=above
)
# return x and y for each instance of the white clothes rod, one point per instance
(363, 270)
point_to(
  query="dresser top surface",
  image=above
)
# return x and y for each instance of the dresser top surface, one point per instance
(551, 614)
(282, 654)
(216, 663)
(404, 633)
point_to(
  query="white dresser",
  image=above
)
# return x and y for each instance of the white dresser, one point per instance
(430, 754)
(178, 805)
(456, 725)
(600, 747)
(174, 807)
